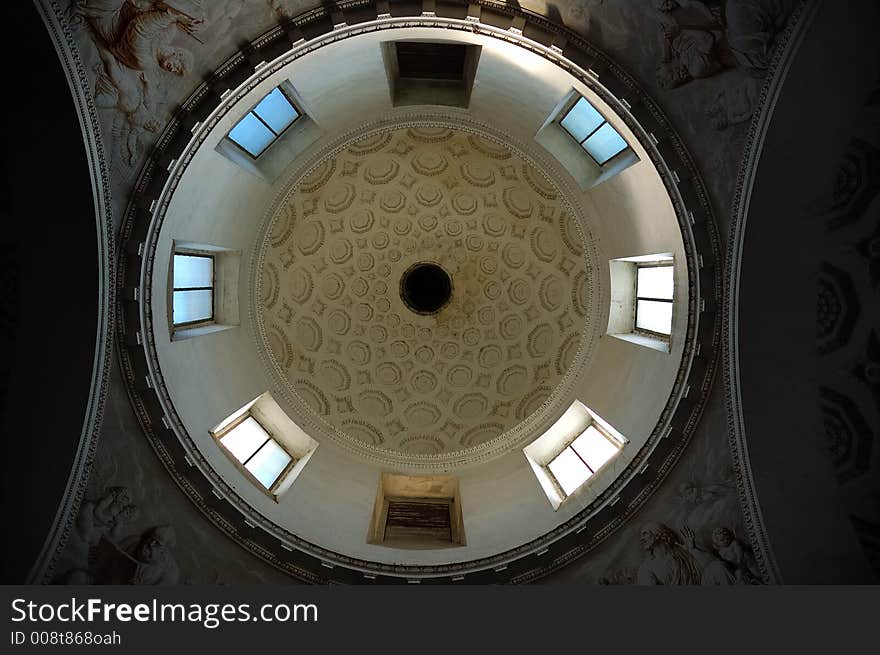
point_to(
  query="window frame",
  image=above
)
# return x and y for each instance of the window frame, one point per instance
(202, 321)
(395, 487)
(636, 297)
(242, 466)
(447, 502)
(299, 115)
(568, 446)
(604, 122)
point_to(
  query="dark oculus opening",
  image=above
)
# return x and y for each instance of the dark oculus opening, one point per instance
(425, 288)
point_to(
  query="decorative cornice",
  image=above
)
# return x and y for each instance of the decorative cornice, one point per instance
(786, 48)
(53, 17)
(566, 542)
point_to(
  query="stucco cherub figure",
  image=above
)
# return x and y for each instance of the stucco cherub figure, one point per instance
(676, 559)
(738, 557)
(155, 565)
(690, 34)
(106, 516)
(752, 29)
(104, 519)
(133, 42)
(143, 559)
(713, 570)
(702, 503)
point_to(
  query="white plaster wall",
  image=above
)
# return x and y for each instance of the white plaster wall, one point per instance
(331, 502)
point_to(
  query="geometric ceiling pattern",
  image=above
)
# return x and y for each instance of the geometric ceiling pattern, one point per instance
(329, 290)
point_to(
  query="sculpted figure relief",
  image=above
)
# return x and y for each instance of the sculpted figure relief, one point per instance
(675, 558)
(690, 42)
(281, 8)
(701, 503)
(104, 518)
(103, 550)
(701, 39)
(737, 557)
(143, 559)
(667, 560)
(151, 555)
(752, 28)
(132, 38)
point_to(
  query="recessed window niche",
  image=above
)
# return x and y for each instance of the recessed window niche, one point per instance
(642, 300)
(572, 451)
(271, 133)
(266, 446)
(583, 140)
(202, 289)
(430, 73)
(417, 513)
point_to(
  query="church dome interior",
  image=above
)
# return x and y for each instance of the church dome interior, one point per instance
(325, 252)
(460, 292)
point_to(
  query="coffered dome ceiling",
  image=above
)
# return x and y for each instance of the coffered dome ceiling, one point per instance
(524, 305)
(324, 241)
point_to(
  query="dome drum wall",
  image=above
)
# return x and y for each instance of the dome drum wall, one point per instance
(172, 439)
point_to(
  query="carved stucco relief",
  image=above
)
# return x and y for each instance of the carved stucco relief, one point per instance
(347, 345)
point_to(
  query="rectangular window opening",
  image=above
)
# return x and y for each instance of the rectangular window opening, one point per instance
(266, 447)
(268, 463)
(569, 470)
(417, 512)
(572, 451)
(581, 458)
(263, 124)
(596, 136)
(430, 73)
(193, 289)
(258, 453)
(654, 296)
(419, 519)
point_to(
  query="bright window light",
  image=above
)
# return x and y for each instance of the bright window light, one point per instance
(582, 120)
(262, 125)
(268, 463)
(277, 111)
(572, 451)
(193, 291)
(250, 444)
(594, 448)
(245, 439)
(654, 316)
(193, 271)
(252, 134)
(655, 282)
(654, 294)
(569, 470)
(595, 135)
(604, 144)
